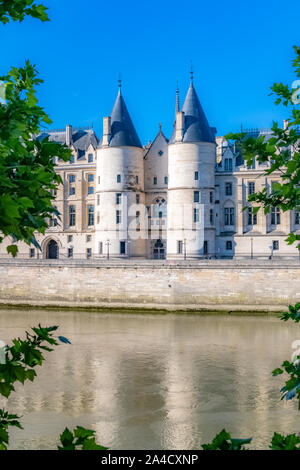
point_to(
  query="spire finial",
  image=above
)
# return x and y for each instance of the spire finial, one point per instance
(160, 126)
(177, 99)
(192, 71)
(120, 82)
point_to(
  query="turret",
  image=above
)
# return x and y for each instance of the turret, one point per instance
(191, 169)
(120, 178)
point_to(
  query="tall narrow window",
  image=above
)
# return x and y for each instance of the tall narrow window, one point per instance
(229, 216)
(196, 215)
(70, 252)
(137, 198)
(228, 164)
(122, 248)
(297, 218)
(100, 248)
(98, 199)
(89, 252)
(118, 178)
(91, 178)
(90, 158)
(205, 247)
(72, 190)
(91, 215)
(32, 253)
(136, 180)
(228, 189)
(196, 175)
(72, 159)
(251, 187)
(72, 216)
(118, 217)
(228, 245)
(180, 247)
(252, 217)
(166, 180)
(211, 194)
(211, 216)
(155, 180)
(91, 190)
(196, 196)
(275, 216)
(118, 198)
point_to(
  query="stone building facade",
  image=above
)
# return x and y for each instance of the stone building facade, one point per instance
(177, 198)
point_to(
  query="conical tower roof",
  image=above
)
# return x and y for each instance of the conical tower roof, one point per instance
(196, 127)
(123, 132)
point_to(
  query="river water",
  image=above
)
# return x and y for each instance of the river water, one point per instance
(154, 381)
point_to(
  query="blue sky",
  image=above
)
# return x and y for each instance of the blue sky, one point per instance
(238, 50)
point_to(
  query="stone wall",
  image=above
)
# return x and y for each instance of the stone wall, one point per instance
(213, 285)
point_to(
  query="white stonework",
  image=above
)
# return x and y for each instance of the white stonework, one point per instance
(178, 198)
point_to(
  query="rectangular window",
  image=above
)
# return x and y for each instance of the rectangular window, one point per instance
(118, 217)
(229, 216)
(196, 215)
(89, 238)
(155, 180)
(166, 180)
(98, 199)
(297, 218)
(70, 252)
(70, 238)
(122, 248)
(228, 164)
(98, 179)
(228, 189)
(118, 178)
(32, 252)
(180, 247)
(72, 191)
(72, 179)
(196, 196)
(91, 190)
(229, 245)
(137, 198)
(90, 215)
(89, 252)
(118, 198)
(98, 218)
(211, 195)
(205, 247)
(90, 158)
(100, 248)
(90, 178)
(136, 180)
(196, 175)
(251, 188)
(252, 217)
(72, 216)
(137, 220)
(275, 216)
(72, 159)
(275, 245)
(211, 216)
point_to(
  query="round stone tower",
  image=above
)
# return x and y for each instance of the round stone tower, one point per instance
(120, 187)
(191, 171)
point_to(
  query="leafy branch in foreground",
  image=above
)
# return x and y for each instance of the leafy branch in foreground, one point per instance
(224, 441)
(80, 439)
(6, 421)
(289, 442)
(16, 10)
(27, 168)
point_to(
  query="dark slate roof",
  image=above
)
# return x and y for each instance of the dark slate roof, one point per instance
(123, 132)
(197, 128)
(82, 138)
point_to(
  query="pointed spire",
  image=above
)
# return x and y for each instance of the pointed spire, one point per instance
(177, 100)
(192, 72)
(123, 132)
(120, 83)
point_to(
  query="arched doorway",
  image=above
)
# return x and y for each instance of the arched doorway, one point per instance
(52, 250)
(159, 251)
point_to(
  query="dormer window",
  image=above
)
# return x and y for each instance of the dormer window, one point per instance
(228, 164)
(72, 159)
(90, 158)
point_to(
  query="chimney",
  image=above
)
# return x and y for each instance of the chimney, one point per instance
(285, 124)
(69, 135)
(106, 131)
(179, 126)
